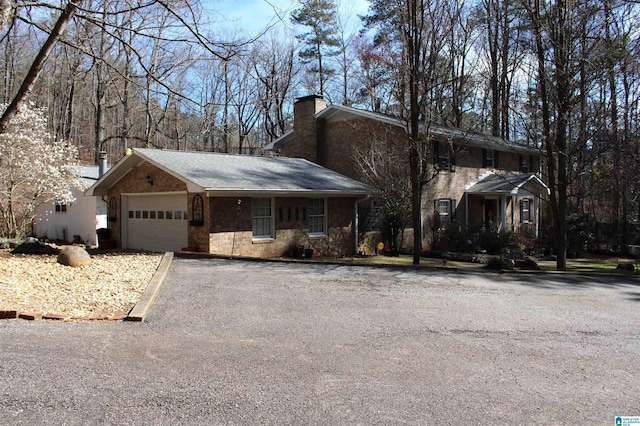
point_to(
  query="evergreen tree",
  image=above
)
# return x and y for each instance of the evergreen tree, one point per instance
(320, 17)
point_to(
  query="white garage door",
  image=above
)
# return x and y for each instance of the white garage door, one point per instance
(157, 222)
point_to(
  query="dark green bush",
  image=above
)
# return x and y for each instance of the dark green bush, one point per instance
(581, 235)
(528, 264)
(34, 247)
(469, 239)
(499, 264)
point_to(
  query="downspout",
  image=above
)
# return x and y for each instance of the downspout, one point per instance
(102, 169)
(466, 209)
(356, 241)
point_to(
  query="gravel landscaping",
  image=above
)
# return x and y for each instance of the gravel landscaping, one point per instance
(109, 287)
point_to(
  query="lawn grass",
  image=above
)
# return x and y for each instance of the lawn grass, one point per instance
(405, 259)
(602, 266)
(576, 266)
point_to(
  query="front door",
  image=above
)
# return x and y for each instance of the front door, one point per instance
(490, 214)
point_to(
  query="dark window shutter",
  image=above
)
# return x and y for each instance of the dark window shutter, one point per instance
(436, 152)
(484, 157)
(495, 158)
(521, 210)
(531, 164)
(523, 164)
(452, 208)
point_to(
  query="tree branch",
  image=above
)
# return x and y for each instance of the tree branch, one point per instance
(37, 65)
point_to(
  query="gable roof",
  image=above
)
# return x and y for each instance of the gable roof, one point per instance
(216, 173)
(508, 183)
(341, 113)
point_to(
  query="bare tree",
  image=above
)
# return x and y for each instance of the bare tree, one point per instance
(416, 28)
(383, 165)
(554, 90)
(275, 69)
(38, 63)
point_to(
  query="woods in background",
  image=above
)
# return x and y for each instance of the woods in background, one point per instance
(562, 76)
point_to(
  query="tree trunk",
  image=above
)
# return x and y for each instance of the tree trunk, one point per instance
(37, 65)
(561, 57)
(558, 189)
(414, 61)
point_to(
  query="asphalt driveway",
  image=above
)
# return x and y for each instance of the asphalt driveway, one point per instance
(231, 342)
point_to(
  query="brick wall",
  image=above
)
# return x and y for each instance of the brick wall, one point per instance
(344, 139)
(199, 234)
(231, 228)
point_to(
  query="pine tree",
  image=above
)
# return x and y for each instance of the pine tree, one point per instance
(320, 17)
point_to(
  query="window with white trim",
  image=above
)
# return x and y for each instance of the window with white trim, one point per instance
(262, 218)
(490, 158)
(526, 164)
(525, 210)
(317, 216)
(61, 208)
(444, 156)
(443, 207)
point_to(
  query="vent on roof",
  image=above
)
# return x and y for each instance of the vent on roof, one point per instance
(102, 163)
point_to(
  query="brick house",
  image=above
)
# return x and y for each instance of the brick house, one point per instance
(481, 179)
(233, 205)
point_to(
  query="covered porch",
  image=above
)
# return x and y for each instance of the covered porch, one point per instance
(509, 202)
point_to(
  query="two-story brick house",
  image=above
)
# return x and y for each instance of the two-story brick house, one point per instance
(480, 179)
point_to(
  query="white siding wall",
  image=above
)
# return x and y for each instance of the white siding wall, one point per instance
(82, 218)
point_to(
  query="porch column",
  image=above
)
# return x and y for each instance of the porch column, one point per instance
(536, 213)
(513, 213)
(503, 201)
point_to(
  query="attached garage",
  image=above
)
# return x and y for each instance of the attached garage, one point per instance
(224, 204)
(155, 222)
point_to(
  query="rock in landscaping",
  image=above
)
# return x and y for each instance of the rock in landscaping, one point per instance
(74, 256)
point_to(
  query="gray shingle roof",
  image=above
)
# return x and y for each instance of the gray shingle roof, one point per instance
(437, 131)
(508, 183)
(89, 174)
(226, 172)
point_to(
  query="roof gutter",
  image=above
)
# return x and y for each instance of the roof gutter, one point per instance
(283, 192)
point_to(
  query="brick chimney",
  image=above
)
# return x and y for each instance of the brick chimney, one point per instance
(308, 132)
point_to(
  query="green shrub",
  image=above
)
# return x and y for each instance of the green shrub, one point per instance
(34, 247)
(528, 264)
(468, 239)
(498, 242)
(499, 264)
